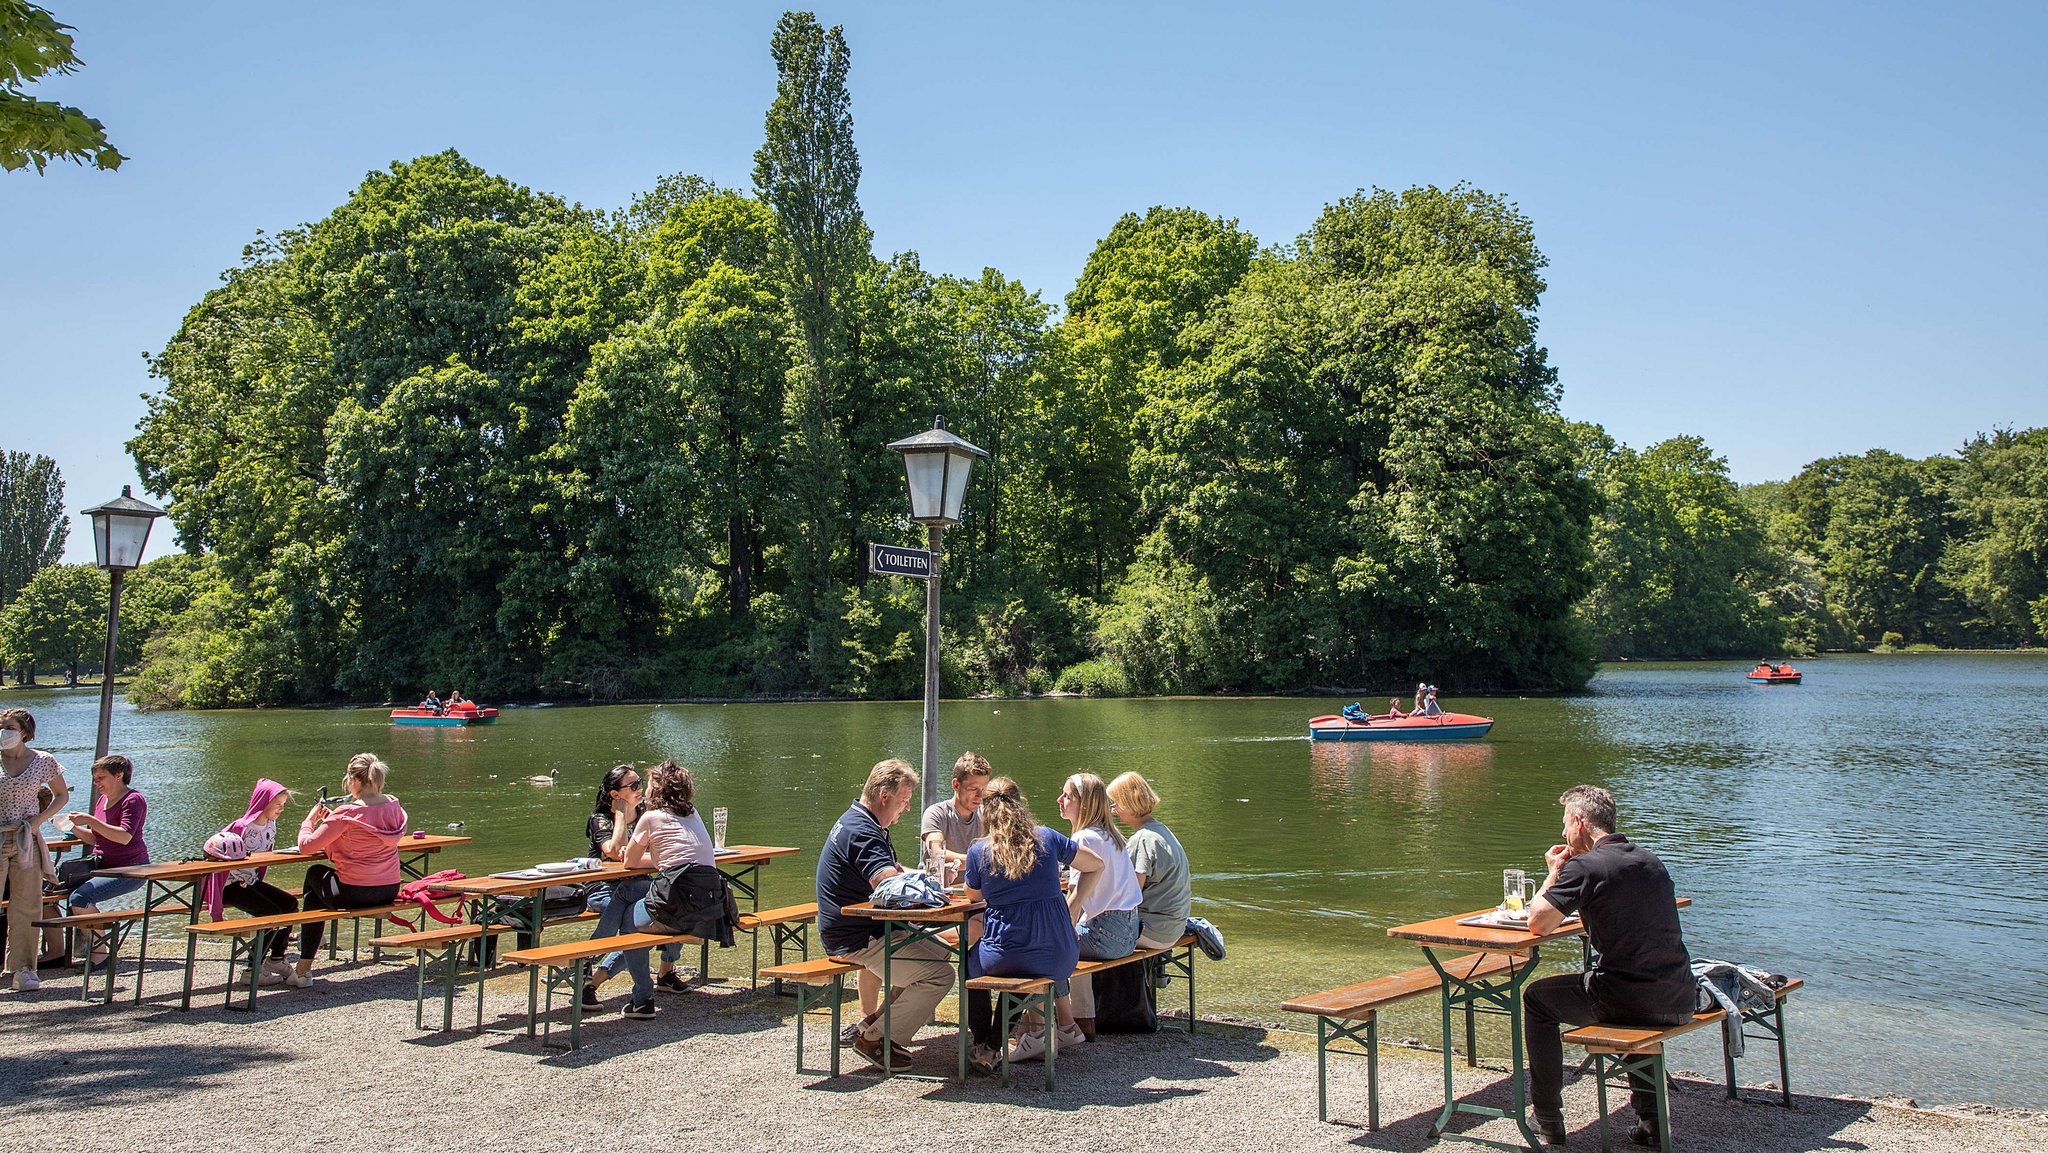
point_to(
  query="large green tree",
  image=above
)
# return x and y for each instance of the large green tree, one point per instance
(33, 526)
(59, 620)
(34, 45)
(1998, 560)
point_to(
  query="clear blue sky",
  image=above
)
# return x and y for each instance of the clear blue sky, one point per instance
(1794, 230)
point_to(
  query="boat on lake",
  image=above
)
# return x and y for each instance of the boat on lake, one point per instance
(1769, 674)
(455, 718)
(1387, 727)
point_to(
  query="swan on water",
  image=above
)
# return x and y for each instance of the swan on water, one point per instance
(547, 780)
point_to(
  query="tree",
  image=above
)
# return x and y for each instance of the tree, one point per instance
(60, 619)
(808, 172)
(33, 526)
(1998, 561)
(1881, 553)
(34, 45)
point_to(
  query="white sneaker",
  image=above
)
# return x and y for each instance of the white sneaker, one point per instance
(1070, 1035)
(296, 979)
(26, 982)
(1028, 1046)
(272, 973)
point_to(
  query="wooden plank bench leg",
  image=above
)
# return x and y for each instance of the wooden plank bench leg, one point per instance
(1618, 1070)
(1772, 1022)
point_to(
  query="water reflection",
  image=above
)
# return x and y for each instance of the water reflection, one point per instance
(1412, 774)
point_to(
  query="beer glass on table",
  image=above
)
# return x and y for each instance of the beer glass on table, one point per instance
(1514, 891)
(718, 828)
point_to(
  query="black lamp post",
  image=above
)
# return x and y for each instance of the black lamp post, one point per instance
(935, 467)
(120, 529)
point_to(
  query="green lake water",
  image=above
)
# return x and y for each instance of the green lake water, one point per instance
(1877, 830)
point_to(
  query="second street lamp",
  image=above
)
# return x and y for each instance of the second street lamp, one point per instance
(936, 465)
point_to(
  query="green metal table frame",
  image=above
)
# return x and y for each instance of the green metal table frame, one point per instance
(1499, 995)
(836, 995)
(912, 933)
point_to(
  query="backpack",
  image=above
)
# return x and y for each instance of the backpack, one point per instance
(694, 900)
(424, 892)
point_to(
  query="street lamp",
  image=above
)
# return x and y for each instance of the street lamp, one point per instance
(120, 528)
(935, 467)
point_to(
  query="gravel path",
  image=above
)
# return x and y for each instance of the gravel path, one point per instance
(340, 1066)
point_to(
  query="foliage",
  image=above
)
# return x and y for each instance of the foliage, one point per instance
(58, 620)
(34, 45)
(33, 526)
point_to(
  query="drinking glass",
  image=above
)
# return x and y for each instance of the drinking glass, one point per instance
(935, 863)
(1514, 890)
(718, 828)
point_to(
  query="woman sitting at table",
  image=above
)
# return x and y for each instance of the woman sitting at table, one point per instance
(1026, 929)
(1159, 861)
(669, 835)
(113, 832)
(619, 806)
(255, 831)
(1104, 905)
(360, 837)
(23, 774)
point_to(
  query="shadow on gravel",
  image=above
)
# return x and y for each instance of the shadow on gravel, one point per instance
(717, 1011)
(110, 1074)
(1703, 1119)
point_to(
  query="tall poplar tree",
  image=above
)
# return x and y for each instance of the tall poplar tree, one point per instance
(32, 523)
(808, 172)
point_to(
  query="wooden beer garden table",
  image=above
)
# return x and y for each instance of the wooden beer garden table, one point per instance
(1500, 994)
(902, 927)
(166, 882)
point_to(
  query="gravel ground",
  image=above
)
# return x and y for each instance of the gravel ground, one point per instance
(339, 1065)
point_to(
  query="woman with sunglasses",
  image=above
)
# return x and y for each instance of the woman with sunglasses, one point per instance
(620, 803)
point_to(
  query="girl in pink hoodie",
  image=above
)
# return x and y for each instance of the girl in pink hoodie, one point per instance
(360, 837)
(245, 889)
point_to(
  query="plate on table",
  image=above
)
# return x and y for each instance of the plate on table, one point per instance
(1502, 919)
(723, 852)
(559, 867)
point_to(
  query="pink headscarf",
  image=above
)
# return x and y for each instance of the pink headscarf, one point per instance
(260, 798)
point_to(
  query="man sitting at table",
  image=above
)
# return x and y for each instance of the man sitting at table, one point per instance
(1641, 974)
(857, 857)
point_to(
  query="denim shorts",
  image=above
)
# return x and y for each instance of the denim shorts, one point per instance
(97, 891)
(1108, 935)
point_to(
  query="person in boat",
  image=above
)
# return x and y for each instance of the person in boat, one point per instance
(1394, 712)
(458, 703)
(432, 704)
(1642, 974)
(1763, 669)
(1429, 706)
(1421, 698)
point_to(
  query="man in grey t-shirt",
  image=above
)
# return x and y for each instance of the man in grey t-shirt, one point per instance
(951, 826)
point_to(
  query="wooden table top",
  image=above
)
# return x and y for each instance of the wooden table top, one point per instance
(957, 908)
(610, 871)
(1487, 938)
(187, 870)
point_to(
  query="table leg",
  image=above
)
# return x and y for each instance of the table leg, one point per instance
(1490, 996)
(165, 892)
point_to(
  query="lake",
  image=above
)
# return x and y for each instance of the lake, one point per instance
(1877, 830)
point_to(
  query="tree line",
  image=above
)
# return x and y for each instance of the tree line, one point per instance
(459, 433)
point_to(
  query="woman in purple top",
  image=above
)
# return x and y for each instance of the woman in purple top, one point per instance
(1027, 931)
(113, 830)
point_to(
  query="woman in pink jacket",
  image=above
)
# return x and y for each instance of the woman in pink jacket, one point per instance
(360, 837)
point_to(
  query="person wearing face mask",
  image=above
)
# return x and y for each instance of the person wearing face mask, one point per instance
(24, 772)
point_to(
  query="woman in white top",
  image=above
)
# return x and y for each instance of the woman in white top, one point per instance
(669, 834)
(1105, 903)
(26, 773)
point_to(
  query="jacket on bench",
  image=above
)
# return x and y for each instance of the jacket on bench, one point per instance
(693, 900)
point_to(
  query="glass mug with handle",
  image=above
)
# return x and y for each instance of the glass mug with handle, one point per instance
(1515, 892)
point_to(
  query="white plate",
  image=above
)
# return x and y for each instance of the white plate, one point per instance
(559, 867)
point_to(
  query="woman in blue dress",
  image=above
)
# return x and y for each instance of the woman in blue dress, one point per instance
(1027, 930)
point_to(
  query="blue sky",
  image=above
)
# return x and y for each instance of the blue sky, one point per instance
(1794, 230)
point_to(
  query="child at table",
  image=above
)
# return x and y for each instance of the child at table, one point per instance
(245, 889)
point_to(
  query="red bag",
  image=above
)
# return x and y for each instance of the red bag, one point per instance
(424, 892)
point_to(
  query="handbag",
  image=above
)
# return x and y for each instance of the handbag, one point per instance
(72, 874)
(1124, 1000)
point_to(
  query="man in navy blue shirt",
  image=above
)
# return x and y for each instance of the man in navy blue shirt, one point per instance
(858, 856)
(1641, 974)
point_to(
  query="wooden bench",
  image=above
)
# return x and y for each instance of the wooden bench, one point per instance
(807, 975)
(104, 932)
(249, 937)
(447, 943)
(1621, 1052)
(1013, 999)
(563, 965)
(1347, 1019)
(791, 926)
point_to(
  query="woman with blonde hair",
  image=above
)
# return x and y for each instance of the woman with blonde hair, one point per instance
(1026, 931)
(360, 837)
(1160, 863)
(1104, 905)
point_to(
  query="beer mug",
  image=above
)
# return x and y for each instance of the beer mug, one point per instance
(718, 828)
(1514, 891)
(935, 863)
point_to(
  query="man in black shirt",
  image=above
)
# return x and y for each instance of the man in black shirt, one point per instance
(857, 857)
(1641, 974)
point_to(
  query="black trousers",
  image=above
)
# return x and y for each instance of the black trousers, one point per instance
(262, 899)
(326, 890)
(1553, 1002)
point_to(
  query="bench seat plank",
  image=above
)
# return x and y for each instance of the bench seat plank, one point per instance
(818, 972)
(595, 947)
(1355, 1002)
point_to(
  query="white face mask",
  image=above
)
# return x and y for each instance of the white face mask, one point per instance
(10, 739)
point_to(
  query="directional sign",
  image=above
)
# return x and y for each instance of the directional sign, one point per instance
(890, 560)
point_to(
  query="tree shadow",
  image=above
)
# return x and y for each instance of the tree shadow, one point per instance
(110, 1074)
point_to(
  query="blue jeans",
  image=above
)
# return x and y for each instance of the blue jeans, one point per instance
(636, 959)
(1108, 935)
(97, 891)
(604, 901)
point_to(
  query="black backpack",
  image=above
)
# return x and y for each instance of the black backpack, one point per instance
(693, 900)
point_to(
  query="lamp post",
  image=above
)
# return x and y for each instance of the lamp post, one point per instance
(935, 467)
(120, 528)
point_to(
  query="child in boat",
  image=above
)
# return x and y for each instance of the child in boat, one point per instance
(1394, 708)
